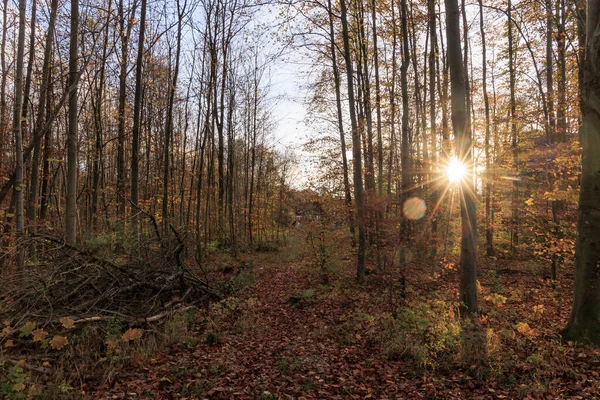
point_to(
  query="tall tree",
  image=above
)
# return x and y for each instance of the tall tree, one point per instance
(405, 161)
(137, 110)
(584, 324)
(340, 115)
(19, 187)
(72, 137)
(489, 232)
(169, 124)
(3, 122)
(125, 25)
(464, 152)
(513, 126)
(356, 150)
(40, 118)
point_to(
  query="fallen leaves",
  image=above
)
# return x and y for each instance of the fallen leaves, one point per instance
(67, 323)
(39, 335)
(131, 335)
(58, 342)
(524, 329)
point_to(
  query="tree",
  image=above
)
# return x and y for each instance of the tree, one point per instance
(40, 119)
(137, 110)
(489, 232)
(19, 187)
(584, 324)
(464, 149)
(356, 150)
(71, 205)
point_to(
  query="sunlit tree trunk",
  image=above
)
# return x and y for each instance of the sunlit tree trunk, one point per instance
(464, 149)
(489, 229)
(433, 54)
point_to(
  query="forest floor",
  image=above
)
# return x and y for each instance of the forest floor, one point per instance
(287, 335)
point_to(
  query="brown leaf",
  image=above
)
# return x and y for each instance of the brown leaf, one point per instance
(131, 334)
(39, 335)
(67, 323)
(58, 342)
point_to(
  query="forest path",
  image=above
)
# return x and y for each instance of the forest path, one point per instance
(272, 349)
(330, 343)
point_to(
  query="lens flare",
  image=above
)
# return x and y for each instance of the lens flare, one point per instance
(456, 171)
(414, 208)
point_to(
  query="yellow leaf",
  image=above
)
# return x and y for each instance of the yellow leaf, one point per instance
(67, 322)
(39, 335)
(18, 387)
(131, 334)
(524, 329)
(8, 343)
(58, 342)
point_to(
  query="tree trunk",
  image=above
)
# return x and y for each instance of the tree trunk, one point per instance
(169, 124)
(468, 248)
(513, 129)
(584, 324)
(71, 198)
(404, 156)
(433, 54)
(3, 121)
(135, 140)
(561, 118)
(18, 186)
(40, 119)
(356, 150)
(489, 229)
(377, 103)
(340, 118)
(549, 74)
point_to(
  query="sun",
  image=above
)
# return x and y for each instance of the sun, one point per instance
(456, 171)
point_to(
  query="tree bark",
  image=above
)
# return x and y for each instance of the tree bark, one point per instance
(135, 140)
(71, 198)
(18, 186)
(489, 228)
(584, 324)
(468, 248)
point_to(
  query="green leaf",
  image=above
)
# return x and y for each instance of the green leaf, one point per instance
(27, 329)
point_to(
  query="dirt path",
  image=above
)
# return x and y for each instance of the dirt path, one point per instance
(323, 347)
(272, 350)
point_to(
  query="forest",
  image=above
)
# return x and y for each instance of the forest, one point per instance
(434, 234)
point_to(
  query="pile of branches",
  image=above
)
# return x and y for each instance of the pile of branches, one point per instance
(78, 283)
